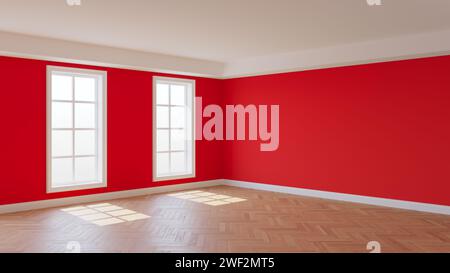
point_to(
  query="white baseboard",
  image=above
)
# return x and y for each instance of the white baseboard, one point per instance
(59, 202)
(392, 203)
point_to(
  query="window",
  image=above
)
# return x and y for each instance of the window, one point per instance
(173, 132)
(76, 129)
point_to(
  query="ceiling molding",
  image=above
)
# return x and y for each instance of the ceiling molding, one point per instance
(26, 46)
(399, 48)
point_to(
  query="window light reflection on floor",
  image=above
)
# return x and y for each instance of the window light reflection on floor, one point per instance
(105, 214)
(208, 198)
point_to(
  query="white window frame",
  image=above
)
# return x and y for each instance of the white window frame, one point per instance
(191, 84)
(102, 136)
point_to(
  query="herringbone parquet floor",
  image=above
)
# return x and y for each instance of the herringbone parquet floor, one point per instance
(266, 222)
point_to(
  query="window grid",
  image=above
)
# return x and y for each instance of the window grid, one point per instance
(170, 132)
(82, 94)
(74, 129)
(83, 166)
(174, 109)
(170, 151)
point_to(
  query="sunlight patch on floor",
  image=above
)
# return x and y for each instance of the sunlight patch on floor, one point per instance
(105, 214)
(208, 198)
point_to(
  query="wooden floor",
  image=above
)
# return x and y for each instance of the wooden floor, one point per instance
(266, 222)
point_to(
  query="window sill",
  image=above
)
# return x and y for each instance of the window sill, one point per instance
(93, 185)
(173, 177)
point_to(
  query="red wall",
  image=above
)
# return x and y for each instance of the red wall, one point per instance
(377, 130)
(23, 135)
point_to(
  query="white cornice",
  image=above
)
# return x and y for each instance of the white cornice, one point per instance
(25, 46)
(399, 48)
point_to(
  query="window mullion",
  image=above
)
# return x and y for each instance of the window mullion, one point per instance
(170, 131)
(186, 127)
(97, 101)
(73, 131)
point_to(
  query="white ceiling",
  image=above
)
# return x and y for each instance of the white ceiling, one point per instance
(223, 30)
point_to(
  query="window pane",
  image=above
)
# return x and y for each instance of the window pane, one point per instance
(162, 117)
(177, 117)
(61, 87)
(85, 89)
(178, 162)
(162, 94)
(84, 115)
(76, 123)
(162, 163)
(61, 171)
(85, 143)
(177, 139)
(162, 140)
(177, 95)
(173, 123)
(85, 169)
(62, 115)
(61, 143)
